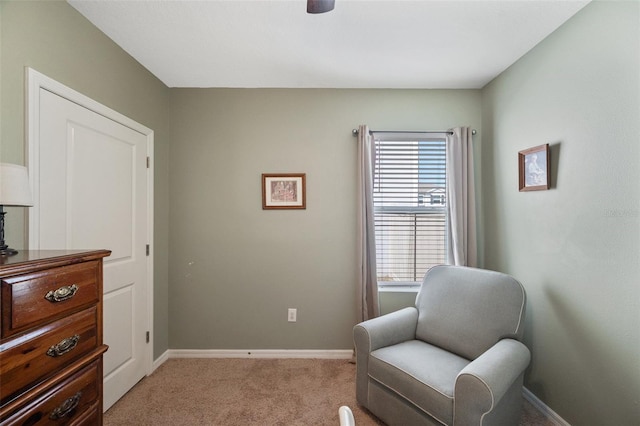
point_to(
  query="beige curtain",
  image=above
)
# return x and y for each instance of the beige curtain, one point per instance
(367, 296)
(461, 199)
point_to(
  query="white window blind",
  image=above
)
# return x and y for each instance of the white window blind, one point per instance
(409, 204)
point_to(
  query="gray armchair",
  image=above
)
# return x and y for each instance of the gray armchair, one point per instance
(453, 359)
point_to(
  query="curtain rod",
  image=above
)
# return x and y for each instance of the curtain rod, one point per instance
(354, 132)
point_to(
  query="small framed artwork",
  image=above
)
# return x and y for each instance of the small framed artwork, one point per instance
(284, 191)
(533, 168)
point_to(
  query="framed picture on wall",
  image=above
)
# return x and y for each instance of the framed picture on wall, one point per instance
(533, 168)
(284, 191)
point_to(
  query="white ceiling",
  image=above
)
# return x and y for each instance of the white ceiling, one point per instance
(360, 44)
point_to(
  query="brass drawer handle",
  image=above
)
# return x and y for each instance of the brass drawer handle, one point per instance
(63, 293)
(66, 407)
(64, 346)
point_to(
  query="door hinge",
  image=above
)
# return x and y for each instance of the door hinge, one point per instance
(147, 337)
(148, 162)
(148, 249)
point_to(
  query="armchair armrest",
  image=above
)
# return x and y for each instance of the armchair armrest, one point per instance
(377, 333)
(483, 383)
(387, 330)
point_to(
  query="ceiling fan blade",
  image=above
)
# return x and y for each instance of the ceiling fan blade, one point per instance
(320, 6)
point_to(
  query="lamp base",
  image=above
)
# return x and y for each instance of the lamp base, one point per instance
(6, 251)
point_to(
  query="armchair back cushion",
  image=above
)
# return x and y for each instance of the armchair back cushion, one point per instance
(466, 311)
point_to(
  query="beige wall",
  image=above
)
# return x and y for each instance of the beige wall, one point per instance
(576, 247)
(235, 268)
(54, 39)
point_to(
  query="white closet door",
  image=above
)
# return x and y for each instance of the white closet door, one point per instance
(92, 179)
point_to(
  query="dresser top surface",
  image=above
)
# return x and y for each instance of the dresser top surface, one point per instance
(27, 259)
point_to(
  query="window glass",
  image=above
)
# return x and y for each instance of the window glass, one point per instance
(409, 188)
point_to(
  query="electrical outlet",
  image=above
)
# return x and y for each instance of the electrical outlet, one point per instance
(292, 314)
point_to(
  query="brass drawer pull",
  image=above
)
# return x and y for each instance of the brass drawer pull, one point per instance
(63, 293)
(66, 407)
(64, 346)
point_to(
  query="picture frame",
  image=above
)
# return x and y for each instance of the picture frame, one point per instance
(534, 168)
(284, 191)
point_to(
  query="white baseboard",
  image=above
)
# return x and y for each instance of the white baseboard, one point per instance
(544, 408)
(260, 353)
(159, 361)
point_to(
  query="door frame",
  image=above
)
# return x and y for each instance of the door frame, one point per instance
(34, 81)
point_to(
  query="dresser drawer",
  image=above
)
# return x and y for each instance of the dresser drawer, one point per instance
(32, 357)
(91, 417)
(70, 402)
(32, 299)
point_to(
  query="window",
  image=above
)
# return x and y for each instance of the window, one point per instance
(409, 197)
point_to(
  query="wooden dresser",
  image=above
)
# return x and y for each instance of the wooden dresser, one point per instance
(51, 338)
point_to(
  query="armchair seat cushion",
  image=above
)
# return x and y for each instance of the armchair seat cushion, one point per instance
(421, 373)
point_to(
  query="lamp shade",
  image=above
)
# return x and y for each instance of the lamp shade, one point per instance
(14, 185)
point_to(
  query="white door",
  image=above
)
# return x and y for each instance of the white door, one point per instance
(93, 194)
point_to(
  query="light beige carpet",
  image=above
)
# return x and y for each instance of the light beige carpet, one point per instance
(230, 392)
